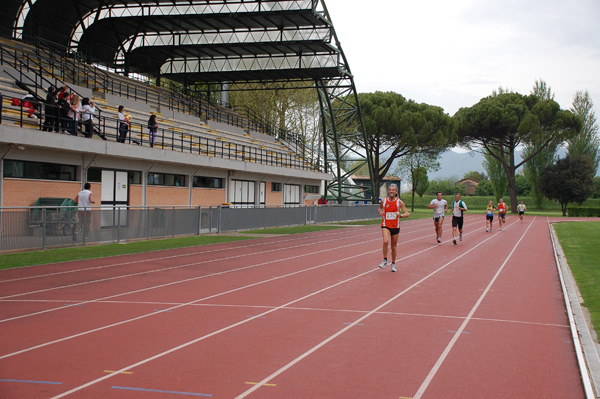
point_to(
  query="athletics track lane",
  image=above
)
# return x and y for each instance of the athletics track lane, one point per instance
(389, 354)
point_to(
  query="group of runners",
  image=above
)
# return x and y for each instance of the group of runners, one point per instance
(392, 209)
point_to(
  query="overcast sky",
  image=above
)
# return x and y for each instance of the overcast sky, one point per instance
(453, 53)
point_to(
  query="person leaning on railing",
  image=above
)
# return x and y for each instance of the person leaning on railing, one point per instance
(50, 111)
(88, 109)
(73, 114)
(124, 119)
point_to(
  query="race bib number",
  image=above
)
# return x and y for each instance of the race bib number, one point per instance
(391, 216)
(489, 212)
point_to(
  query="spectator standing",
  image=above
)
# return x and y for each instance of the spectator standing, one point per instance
(123, 123)
(84, 202)
(152, 128)
(74, 114)
(88, 109)
(51, 111)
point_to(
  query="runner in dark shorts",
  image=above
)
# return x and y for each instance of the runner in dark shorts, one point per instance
(489, 216)
(458, 209)
(391, 209)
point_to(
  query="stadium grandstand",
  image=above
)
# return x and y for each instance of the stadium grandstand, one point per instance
(150, 57)
(116, 94)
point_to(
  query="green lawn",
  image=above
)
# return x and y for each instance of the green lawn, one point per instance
(579, 241)
(8, 261)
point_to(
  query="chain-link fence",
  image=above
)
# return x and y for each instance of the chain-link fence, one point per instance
(45, 227)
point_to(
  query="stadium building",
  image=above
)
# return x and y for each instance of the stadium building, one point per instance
(203, 153)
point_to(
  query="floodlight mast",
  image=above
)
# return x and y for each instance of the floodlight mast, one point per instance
(344, 133)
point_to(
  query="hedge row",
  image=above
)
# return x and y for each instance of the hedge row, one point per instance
(583, 211)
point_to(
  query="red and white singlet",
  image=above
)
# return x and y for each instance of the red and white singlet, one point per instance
(391, 219)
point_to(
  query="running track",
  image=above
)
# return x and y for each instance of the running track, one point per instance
(305, 316)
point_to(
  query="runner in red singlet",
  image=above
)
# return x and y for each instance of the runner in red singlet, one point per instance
(391, 209)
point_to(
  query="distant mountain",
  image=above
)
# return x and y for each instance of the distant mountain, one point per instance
(456, 164)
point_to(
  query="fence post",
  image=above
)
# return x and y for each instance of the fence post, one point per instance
(44, 228)
(199, 219)
(173, 222)
(118, 224)
(220, 219)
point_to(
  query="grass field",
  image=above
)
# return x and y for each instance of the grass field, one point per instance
(8, 261)
(579, 241)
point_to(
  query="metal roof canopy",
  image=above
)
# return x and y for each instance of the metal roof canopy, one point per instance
(214, 41)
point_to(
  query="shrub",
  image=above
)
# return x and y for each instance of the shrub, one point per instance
(583, 211)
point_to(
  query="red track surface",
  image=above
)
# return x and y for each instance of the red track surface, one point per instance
(307, 316)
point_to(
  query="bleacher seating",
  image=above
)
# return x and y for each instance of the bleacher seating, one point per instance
(194, 133)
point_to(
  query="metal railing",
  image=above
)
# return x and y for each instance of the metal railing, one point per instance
(40, 227)
(60, 63)
(173, 139)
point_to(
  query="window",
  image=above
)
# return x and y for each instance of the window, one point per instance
(94, 175)
(291, 195)
(311, 189)
(134, 177)
(39, 170)
(208, 182)
(166, 179)
(276, 187)
(242, 192)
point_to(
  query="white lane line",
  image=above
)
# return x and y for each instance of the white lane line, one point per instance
(203, 251)
(360, 320)
(174, 282)
(170, 268)
(177, 256)
(79, 303)
(246, 320)
(336, 233)
(446, 352)
(195, 302)
(145, 260)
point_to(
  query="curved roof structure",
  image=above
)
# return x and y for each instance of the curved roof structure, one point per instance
(210, 41)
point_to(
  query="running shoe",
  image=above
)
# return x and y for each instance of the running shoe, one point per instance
(383, 264)
(500, 228)
(454, 241)
(393, 267)
(460, 238)
(439, 241)
(487, 230)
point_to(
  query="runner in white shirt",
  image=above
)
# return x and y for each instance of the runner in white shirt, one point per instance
(458, 208)
(440, 207)
(521, 208)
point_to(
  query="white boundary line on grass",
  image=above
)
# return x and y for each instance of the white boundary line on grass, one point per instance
(577, 322)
